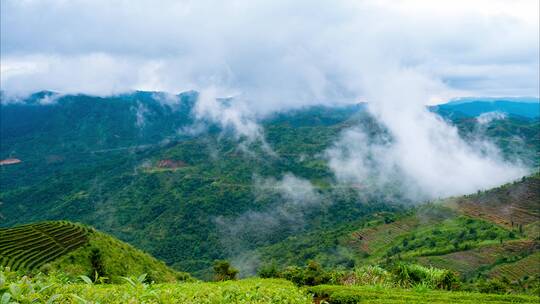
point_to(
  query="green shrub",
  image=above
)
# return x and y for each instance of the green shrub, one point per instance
(223, 271)
(372, 275)
(15, 288)
(269, 271)
(311, 275)
(409, 275)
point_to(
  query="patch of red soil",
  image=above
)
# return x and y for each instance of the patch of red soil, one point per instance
(9, 161)
(171, 164)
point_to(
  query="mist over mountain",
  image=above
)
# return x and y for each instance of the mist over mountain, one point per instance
(288, 151)
(154, 170)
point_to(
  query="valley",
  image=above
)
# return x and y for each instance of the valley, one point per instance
(191, 199)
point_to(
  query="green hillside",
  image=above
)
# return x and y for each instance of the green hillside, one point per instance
(133, 166)
(29, 247)
(75, 250)
(486, 234)
(443, 234)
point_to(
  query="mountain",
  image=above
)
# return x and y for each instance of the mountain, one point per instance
(484, 236)
(143, 168)
(75, 250)
(528, 108)
(492, 233)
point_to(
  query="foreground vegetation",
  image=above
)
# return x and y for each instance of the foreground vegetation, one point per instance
(40, 288)
(376, 294)
(46, 289)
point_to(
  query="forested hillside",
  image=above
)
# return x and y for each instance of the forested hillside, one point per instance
(142, 167)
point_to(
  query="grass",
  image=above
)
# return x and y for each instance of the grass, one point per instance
(333, 294)
(527, 266)
(75, 250)
(30, 246)
(469, 261)
(373, 239)
(55, 289)
(48, 290)
(424, 234)
(510, 205)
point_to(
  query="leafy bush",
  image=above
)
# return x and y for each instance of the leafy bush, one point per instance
(15, 288)
(310, 275)
(371, 275)
(223, 271)
(409, 275)
(269, 271)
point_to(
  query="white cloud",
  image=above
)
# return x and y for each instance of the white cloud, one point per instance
(486, 118)
(296, 198)
(422, 154)
(277, 54)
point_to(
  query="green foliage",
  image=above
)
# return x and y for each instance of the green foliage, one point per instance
(409, 275)
(89, 159)
(47, 289)
(28, 247)
(79, 252)
(223, 271)
(368, 294)
(369, 275)
(453, 234)
(401, 275)
(268, 271)
(310, 275)
(107, 259)
(530, 285)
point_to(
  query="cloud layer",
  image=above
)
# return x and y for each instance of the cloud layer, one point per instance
(250, 58)
(275, 54)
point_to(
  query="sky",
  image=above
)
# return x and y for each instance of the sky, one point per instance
(272, 54)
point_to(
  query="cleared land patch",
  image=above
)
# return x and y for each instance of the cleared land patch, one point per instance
(469, 261)
(528, 266)
(510, 205)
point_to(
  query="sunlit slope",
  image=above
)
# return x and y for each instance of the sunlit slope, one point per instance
(515, 205)
(492, 233)
(28, 247)
(77, 250)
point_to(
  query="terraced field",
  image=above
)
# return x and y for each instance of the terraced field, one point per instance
(510, 205)
(528, 266)
(371, 239)
(30, 246)
(469, 261)
(376, 239)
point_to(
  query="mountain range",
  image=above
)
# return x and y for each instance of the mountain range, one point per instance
(144, 168)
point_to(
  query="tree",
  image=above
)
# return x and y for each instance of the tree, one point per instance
(96, 260)
(223, 271)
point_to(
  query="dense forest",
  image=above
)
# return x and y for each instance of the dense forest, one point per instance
(190, 191)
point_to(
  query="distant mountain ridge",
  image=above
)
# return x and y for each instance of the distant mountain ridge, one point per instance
(470, 107)
(522, 99)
